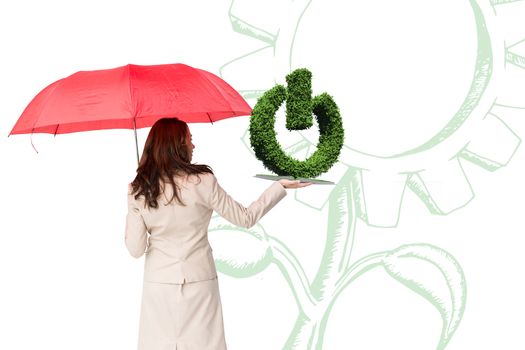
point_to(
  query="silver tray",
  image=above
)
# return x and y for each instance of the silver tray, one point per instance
(301, 179)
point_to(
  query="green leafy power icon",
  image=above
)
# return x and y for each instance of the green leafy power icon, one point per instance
(299, 108)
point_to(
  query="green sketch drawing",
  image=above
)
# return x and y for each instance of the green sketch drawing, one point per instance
(371, 187)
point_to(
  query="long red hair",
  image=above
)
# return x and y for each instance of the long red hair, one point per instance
(165, 155)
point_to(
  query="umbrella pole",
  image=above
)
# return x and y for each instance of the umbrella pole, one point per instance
(136, 143)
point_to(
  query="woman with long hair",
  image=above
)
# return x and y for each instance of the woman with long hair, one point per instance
(173, 199)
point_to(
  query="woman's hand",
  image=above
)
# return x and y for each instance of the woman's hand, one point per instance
(293, 184)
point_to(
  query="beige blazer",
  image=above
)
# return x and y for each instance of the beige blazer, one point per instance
(178, 250)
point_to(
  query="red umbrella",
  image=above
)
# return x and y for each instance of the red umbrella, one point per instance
(130, 97)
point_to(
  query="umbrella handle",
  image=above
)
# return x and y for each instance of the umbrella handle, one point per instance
(136, 143)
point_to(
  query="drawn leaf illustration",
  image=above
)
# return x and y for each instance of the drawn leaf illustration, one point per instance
(435, 275)
(239, 252)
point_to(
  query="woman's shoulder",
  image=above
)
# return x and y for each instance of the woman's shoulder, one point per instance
(203, 177)
(194, 178)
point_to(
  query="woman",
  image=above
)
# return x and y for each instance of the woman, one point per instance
(181, 307)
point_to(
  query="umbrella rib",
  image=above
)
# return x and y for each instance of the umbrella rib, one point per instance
(215, 87)
(46, 101)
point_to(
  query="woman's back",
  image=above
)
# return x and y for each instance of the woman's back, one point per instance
(178, 244)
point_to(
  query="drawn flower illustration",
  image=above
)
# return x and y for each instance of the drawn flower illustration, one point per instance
(371, 186)
(432, 170)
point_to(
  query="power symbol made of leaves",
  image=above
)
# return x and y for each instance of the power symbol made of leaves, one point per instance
(299, 108)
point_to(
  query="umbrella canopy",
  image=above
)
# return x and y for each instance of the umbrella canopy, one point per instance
(130, 97)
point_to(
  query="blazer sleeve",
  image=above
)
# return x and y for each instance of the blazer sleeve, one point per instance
(236, 213)
(135, 234)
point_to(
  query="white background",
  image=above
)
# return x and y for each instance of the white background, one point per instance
(67, 279)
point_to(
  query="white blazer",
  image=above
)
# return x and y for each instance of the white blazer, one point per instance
(178, 250)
